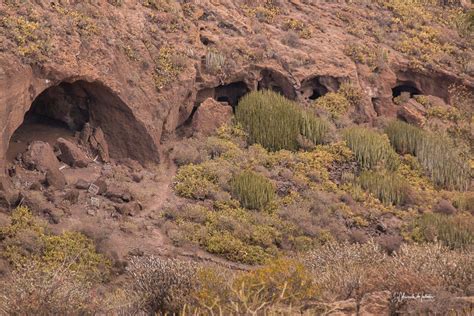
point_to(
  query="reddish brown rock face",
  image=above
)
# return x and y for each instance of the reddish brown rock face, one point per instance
(124, 69)
(211, 115)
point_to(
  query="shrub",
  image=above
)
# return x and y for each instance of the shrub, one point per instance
(456, 232)
(280, 286)
(443, 162)
(30, 290)
(282, 281)
(371, 148)
(162, 285)
(334, 103)
(313, 128)
(465, 202)
(254, 191)
(438, 156)
(27, 242)
(388, 187)
(194, 181)
(275, 122)
(234, 249)
(270, 119)
(215, 61)
(343, 271)
(404, 137)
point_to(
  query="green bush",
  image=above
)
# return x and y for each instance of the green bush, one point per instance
(194, 181)
(313, 128)
(455, 232)
(371, 148)
(254, 191)
(26, 241)
(234, 249)
(334, 103)
(443, 162)
(404, 137)
(438, 156)
(388, 187)
(275, 122)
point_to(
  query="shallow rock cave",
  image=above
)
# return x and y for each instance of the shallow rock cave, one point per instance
(405, 87)
(275, 81)
(230, 93)
(316, 87)
(64, 109)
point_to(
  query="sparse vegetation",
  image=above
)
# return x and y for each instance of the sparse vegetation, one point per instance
(168, 66)
(456, 232)
(215, 61)
(291, 206)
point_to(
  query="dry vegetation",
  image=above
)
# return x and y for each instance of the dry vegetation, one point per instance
(313, 212)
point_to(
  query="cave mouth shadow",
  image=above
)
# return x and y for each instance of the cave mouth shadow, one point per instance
(405, 87)
(63, 110)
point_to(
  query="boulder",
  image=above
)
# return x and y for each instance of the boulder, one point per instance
(412, 112)
(102, 185)
(99, 145)
(82, 184)
(444, 207)
(209, 116)
(86, 134)
(8, 194)
(118, 195)
(71, 154)
(375, 304)
(129, 209)
(40, 156)
(55, 178)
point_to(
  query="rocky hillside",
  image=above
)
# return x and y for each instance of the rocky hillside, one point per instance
(236, 157)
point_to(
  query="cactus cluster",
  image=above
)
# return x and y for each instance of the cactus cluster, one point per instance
(253, 190)
(438, 156)
(275, 122)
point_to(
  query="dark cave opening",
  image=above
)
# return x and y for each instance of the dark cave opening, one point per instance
(230, 93)
(275, 81)
(315, 87)
(318, 92)
(62, 110)
(405, 88)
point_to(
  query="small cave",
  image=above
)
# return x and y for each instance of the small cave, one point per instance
(63, 110)
(405, 87)
(316, 87)
(230, 93)
(275, 81)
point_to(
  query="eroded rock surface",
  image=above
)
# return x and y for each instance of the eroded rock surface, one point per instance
(210, 116)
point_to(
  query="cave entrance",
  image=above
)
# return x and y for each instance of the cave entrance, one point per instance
(316, 87)
(407, 88)
(230, 93)
(63, 110)
(275, 81)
